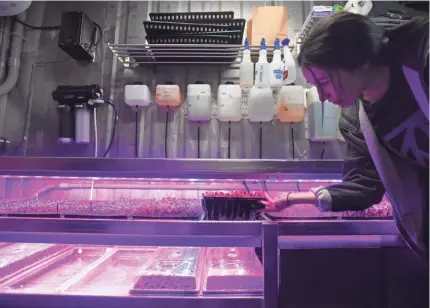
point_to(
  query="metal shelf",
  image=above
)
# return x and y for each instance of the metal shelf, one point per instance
(245, 169)
(87, 301)
(131, 232)
(135, 54)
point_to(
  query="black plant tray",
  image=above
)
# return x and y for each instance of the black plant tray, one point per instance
(219, 38)
(155, 28)
(232, 208)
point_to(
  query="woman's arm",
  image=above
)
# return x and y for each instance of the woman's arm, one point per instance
(361, 186)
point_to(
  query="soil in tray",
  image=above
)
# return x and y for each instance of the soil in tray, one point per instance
(116, 275)
(51, 277)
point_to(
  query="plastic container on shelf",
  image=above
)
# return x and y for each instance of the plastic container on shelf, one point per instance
(262, 68)
(168, 94)
(276, 67)
(260, 104)
(290, 72)
(323, 118)
(199, 102)
(291, 104)
(246, 70)
(229, 102)
(137, 95)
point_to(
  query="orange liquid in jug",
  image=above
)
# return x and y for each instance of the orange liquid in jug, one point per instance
(290, 107)
(168, 96)
(291, 113)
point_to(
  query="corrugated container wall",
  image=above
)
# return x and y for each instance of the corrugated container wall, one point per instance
(44, 66)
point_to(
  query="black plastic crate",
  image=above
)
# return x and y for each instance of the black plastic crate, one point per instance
(191, 16)
(218, 208)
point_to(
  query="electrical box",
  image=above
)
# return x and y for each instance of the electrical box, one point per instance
(78, 36)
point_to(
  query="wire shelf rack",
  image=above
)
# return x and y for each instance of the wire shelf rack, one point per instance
(140, 54)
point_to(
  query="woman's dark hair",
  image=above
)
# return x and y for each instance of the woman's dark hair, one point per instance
(349, 41)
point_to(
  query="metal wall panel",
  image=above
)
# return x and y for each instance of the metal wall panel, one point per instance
(122, 23)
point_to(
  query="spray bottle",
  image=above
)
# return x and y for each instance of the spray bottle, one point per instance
(276, 67)
(262, 67)
(290, 72)
(246, 70)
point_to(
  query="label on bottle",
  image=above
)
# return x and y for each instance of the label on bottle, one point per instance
(285, 75)
(278, 73)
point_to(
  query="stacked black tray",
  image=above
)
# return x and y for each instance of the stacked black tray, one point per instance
(194, 28)
(194, 37)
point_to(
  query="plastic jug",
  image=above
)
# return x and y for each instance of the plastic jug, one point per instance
(229, 102)
(291, 104)
(199, 102)
(323, 118)
(246, 70)
(137, 94)
(260, 104)
(168, 94)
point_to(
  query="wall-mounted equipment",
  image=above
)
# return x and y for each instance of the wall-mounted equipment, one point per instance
(291, 109)
(137, 95)
(260, 104)
(291, 104)
(199, 102)
(229, 102)
(167, 95)
(79, 36)
(323, 118)
(74, 106)
(229, 107)
(199, 106)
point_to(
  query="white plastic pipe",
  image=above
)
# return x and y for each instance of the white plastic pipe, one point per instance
(14, 61)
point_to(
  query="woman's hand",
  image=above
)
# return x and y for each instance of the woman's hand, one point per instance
(287, 199)
(275, 204)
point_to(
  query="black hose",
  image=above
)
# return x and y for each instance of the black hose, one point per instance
(292, 140)
(115, 119)
(323, 150)
(261, 140)
(165, 132)
(136, 153)
(37, 28)
(229, 140)
(198, 139)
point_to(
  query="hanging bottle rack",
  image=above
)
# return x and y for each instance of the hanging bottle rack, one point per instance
(136, 54)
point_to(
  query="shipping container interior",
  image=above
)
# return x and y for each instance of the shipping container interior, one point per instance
(150, 208)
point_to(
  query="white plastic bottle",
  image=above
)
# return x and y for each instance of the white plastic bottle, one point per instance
(290, 72)
(262, 68)
(246, 70)
(276, 67)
